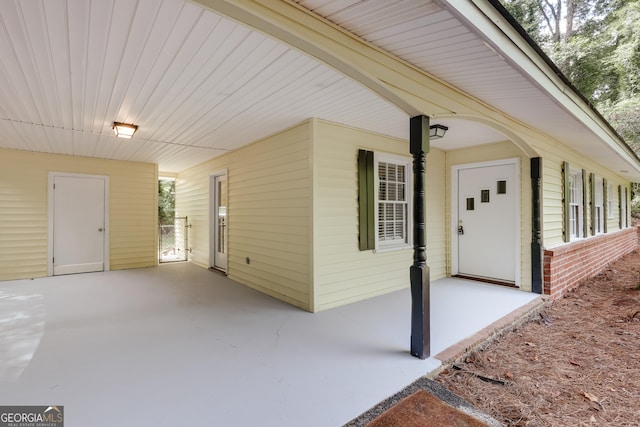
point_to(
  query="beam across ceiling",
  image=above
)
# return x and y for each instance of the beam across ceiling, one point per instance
(409, 88)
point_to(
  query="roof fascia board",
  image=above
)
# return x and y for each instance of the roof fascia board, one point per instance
(521, 53)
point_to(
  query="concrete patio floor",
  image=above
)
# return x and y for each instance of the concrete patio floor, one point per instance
(179, 345)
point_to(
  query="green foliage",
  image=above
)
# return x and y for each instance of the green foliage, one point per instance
(527, 13)
(586, 65)
(635, 206)
(634, 209)
(624, 33)
(166, 201)
(624, 116)
(598, 50)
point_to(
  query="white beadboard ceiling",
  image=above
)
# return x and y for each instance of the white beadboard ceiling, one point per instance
(198, 84)
(431, 35)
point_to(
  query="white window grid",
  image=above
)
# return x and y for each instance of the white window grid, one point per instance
(575, 205)
(393, 202)
(623, 208)
(610, 201)
(598, 203)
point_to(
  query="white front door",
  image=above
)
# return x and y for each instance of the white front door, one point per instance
(218, 223)
(78, 213)
(486, 222)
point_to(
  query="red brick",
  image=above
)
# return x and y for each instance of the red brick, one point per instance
(565, 267)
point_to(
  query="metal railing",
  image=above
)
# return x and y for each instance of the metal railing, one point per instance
(174, 241)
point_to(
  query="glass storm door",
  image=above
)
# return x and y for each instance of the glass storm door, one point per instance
(219, 228)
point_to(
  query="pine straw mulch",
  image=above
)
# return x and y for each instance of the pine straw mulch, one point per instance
(577, 364)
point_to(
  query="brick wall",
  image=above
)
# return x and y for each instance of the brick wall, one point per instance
(565, 267)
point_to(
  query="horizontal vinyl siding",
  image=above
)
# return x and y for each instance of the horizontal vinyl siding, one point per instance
(133, 204)
(23, 217)
(552, 192)
(552, 201)
(343, 273)
(24, 210)
(436, 214)
(269, 214)
(192, 201)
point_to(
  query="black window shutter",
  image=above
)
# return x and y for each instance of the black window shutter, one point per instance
(620, 206)
(366, 212)
(605, 204)
(592, 201)
(585, 208)
(626, 206)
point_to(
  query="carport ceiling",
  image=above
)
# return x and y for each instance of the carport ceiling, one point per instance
(198, 84)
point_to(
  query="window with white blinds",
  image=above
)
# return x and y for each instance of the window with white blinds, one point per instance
(598, 202)
(393, 202)
(384, 201)
(610, 201)
(576, 213)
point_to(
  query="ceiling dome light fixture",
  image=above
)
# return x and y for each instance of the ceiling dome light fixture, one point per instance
(123, 130)
(437, 131)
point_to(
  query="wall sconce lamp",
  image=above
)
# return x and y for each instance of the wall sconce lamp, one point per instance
(437, 131)
(123, 130)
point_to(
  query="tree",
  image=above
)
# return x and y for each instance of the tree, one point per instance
(596, 44)
(166, 201)
(572, 34)
(624, 34)
(527, 13)
(624, 116)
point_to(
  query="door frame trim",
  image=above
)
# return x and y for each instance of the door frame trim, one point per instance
(50, 211)
(454, 194)
(213, 231)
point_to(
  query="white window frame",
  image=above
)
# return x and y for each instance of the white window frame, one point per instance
(610, 201)
(623, 208)
(576, 211)
(405, 241)
(598, 202)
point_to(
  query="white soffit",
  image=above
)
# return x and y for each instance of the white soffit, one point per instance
(433, 39)
(197, 84)
(431, 35)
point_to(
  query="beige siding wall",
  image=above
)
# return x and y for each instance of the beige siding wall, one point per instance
(436, 213)
(490, 152)
(269, 214)
(24, 210)
(552, 191)
(275, 186)
(343, 273)
(192, 201)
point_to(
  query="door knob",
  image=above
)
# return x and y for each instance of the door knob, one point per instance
(460, 230)
(100, 229)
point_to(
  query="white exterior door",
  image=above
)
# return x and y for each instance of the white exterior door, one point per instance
(485, 231)
(78, 217)
(218, 224)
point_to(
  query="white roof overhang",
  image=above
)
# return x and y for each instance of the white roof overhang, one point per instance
(202, 81)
